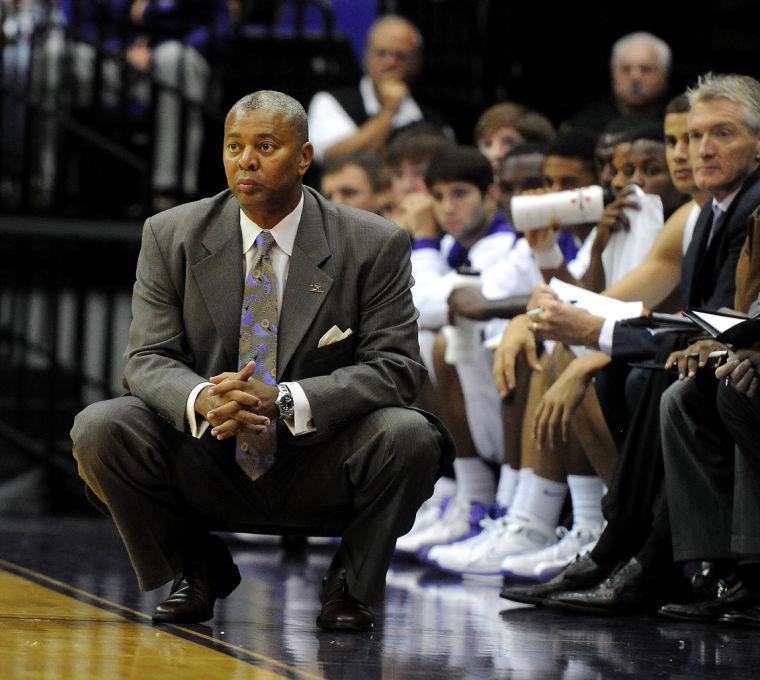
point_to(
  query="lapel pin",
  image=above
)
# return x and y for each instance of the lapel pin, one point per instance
(316, 288)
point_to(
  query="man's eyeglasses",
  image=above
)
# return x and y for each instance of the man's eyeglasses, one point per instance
(398, 55)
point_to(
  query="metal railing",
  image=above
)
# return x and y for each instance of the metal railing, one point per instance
(65, 289)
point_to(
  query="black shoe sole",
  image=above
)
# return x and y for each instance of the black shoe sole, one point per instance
(524, 599)
(167, 618)
(630, 610)
(344, 627)
(686, 617)
(744, 623)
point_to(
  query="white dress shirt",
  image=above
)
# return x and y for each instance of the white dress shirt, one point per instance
(608, 327)
(284, 233)
(329, 123)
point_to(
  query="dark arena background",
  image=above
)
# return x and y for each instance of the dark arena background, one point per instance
(75, 187)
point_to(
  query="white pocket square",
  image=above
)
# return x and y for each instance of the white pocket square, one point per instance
(333, 335)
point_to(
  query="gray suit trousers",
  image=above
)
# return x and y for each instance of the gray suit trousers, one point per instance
(711, 448)
(165, 489)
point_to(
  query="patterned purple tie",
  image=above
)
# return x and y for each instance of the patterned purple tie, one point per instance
(258, 342)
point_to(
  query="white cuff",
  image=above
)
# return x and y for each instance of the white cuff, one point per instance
(302, 422)
(549, 259)
(605, 336)
(196, 428)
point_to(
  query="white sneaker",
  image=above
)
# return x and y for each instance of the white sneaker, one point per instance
(549, 568)
(428, 514)
(535, 564)
(509, 535)
(461, 549)
(460, 519)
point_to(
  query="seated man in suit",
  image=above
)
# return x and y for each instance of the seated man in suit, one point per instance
(275, 398)
(711, 451)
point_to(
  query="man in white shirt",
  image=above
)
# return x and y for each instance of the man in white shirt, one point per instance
(348, 119)
(476, 236)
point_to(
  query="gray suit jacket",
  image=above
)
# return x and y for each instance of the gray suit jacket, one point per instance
(348, 268)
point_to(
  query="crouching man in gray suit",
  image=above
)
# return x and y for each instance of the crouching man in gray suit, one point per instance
(272, 357)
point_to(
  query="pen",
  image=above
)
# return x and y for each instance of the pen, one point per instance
(537, 310)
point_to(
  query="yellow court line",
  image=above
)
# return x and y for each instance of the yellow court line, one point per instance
(35, 575)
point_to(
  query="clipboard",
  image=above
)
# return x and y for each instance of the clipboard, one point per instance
(734, 330)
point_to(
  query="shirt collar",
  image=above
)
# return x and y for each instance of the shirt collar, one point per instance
(367, 91)
(284, 231)
(725, 204)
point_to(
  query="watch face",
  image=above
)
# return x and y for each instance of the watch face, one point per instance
(285, 404)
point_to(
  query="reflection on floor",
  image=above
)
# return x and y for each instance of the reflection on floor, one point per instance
(430, 626)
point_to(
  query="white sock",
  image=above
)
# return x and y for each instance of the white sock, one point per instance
(545, 499)
(524, 475)
(505, 491)
(445, 487)
(586, 492)
(475, 480)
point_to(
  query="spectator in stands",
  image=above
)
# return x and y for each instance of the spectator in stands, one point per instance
(502, 127)
(21, 20)
(364, 116)
(639, 66)
(178, 46)
(725, 148)
(359, 179)
(175, 42)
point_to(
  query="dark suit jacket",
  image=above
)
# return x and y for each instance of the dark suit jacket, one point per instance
(748, 269)
(708, 276)
(348, 268)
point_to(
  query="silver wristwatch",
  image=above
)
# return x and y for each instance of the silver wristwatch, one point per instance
(285, 404)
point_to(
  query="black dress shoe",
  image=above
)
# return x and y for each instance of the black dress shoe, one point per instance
(209, 574)
(628, 590)
(340, 610)
(713, 595)
(582, 573)
(743, 617)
